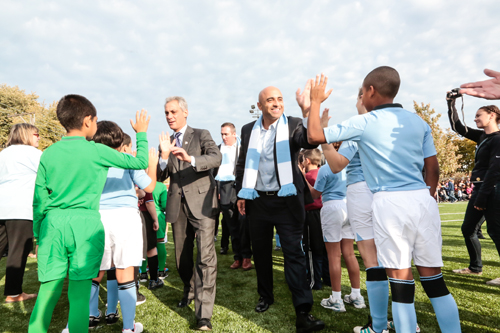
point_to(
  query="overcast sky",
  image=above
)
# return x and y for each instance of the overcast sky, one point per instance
(128, 55)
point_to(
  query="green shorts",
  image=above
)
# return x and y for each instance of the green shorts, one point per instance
(71, 242)
(163, 226)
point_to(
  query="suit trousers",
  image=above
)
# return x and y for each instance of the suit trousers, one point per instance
(18, 236)
(238, 228)
(205, 271)
(265, 213)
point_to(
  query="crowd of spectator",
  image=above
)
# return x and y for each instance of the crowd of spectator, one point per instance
(451, 191)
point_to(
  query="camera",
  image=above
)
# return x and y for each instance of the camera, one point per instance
(454, 93)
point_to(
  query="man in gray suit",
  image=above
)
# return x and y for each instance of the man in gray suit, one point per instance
(192, 205)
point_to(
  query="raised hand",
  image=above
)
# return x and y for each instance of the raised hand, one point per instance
(181, 154)
(153, 158)
(166, 145)
(141, 121)
(318, 93)
(304, 98)
(325, 117)
(487, 89)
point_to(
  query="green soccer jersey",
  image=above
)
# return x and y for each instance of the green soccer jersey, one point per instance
(72, 174)
(160, 198)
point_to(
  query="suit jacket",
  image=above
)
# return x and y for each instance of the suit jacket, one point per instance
(297, 139)
(197, 183)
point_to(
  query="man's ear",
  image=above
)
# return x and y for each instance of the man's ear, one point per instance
(186, 113)
(259, 106)
(87, 121)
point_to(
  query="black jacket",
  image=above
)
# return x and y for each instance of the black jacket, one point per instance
(487, 157)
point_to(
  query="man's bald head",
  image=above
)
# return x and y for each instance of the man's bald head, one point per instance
(266, 92)
(271, 105)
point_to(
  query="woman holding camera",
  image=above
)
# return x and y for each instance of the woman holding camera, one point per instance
(18, 168)
(485, 197)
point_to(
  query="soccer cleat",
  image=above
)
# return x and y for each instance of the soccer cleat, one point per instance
(336, 305)
(155, 284)
(94, 321)
(143, 277)
(163, 275)
(140, 298)
(112, 318)
(368, 328)
(359, 303)
(391, 326)
(138, 328)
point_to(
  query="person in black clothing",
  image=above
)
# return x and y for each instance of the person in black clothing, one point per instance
(485, 198)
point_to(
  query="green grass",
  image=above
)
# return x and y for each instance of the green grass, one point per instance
(236, 298)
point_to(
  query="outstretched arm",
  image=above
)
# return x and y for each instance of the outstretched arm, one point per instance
(315, 134)
(487, 89)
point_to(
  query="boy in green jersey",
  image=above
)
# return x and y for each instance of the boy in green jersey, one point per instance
(160, 198)
(66, 220)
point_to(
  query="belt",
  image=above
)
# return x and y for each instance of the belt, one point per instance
(267, 192)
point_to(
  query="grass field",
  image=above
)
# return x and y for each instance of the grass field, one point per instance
(478, 303)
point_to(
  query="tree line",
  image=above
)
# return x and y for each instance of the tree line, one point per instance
(455, 154)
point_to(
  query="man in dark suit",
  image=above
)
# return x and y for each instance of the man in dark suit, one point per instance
(273, 200)
(233, 223)
(187, 158)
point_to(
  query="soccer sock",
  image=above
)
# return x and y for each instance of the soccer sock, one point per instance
(79, 296)
(377, 288)
(403, 306)
(443, 303)
(94, 299)
(48, 295)
(144, 266)
(162, 255)
(153, 268)
(112, 286)
(136, 277)
(337, 294)
(128, 297)
(355, 293)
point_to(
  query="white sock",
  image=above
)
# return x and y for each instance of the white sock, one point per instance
(355, 293)
(336, 294)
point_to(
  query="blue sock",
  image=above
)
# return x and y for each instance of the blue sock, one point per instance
(94, 299)
(112, 286)
(444, 305)
(377, 288)
(403, 306)
(128, 297)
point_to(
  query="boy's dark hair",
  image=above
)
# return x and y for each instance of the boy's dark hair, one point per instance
(385, 80)
(314, 155)
(127, 140)
(72, 109)
(108, 133)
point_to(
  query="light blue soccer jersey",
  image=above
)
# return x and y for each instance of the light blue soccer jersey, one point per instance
(392, 144)
(119, 190)
(331, 185)
(349, 150)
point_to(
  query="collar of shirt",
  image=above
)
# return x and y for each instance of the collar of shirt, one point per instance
(390, 105)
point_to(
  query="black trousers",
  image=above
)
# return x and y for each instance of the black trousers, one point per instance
(472, 222)
(226, 232)
(18, 235)
(314, 247)
(238, 228)
(265, 213)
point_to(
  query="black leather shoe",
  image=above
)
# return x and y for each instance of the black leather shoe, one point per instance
(184, 302)
(204, 324)
(307, 323)
(262, 306)
(223, 250)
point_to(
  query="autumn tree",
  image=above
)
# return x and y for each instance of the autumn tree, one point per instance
(466, 149)
(17, 106)
(443, 140)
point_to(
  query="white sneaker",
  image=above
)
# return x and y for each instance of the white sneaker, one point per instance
(359, 303)
(336, 305)
(366, 329)
(65, 330)
(138, 328)
(494, 282)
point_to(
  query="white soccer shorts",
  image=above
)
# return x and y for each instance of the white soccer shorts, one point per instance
(334, 221)
(407, 226)
(359, 209)
(123, 238)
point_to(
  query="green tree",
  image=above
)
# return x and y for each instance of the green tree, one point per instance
(17, 106)
(466, 149)
(443, 140)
